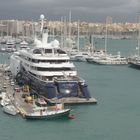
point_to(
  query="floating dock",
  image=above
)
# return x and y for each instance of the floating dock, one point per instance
(74, 100)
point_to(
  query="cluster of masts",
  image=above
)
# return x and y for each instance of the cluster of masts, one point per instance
(73, 49)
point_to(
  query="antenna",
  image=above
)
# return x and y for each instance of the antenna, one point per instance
(42, 21)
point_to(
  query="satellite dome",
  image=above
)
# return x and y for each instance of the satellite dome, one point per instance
(42, 16)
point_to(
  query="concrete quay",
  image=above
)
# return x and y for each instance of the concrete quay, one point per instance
(15, 96)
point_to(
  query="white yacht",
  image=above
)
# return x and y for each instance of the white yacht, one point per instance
(134, 61)
(24, 43)
(95, 55)
(10, 109)
(10, 45)
(47, 69)
(112, 60)
(80, 56)
(5, 100)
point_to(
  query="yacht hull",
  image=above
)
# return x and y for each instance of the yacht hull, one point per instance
(135, 65)
(54, 89)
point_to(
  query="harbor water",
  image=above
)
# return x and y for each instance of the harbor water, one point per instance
(115, 117)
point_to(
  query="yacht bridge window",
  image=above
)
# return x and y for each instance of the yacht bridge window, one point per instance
(51, 69)
(48, 50)
(47, 61)
(37, 51)
(59, 51)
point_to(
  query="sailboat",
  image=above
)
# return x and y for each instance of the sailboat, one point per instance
(135, 60)
(79, 55)
(103, 58)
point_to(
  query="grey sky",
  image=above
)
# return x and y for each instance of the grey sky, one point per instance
(85, 10)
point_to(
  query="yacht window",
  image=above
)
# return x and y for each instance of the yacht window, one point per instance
(34, 60)
(61, 51)
(53, 69)
(53, 61)
(37, 51)
(48, 50)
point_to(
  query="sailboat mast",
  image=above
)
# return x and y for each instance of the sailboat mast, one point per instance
(33, 29)
(139, 36)
(7, 28)
(42, 22)
(62, 34)
(1, 29)
(106, 38)
(65, 31)
(69, 24)
(92, 44)
(78, 36)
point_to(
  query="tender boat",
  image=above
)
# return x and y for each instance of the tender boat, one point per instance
(48, 112)
(44, 114)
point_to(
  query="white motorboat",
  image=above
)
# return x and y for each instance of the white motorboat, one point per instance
(24, 43)
(5, 100)
(80, 56)
(10, 109)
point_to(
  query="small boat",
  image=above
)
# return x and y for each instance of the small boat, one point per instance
(23, 43)
(80, 56)
(71, 117)
(135, 63)
(10, 109)
(51, 112)
(5, 100)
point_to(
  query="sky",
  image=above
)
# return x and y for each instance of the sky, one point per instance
(83, 10)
